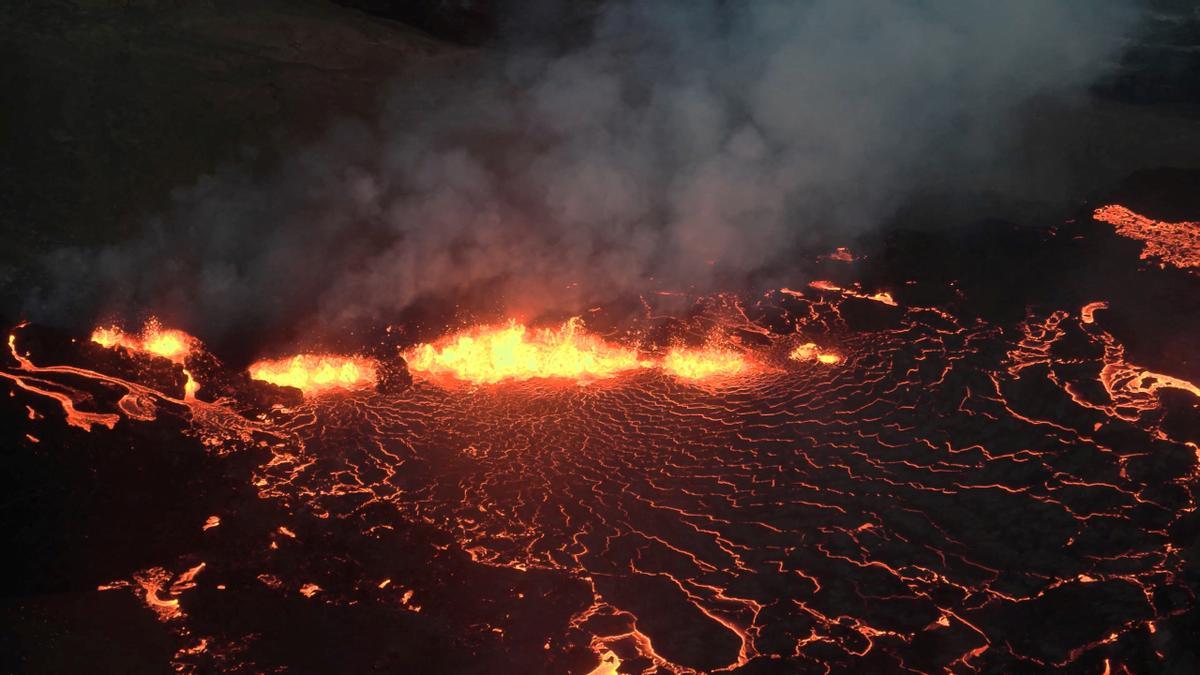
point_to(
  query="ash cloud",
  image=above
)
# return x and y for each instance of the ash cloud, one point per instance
(679, 145)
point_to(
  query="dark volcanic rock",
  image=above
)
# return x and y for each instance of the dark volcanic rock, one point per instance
(392, 376)
(112, 105)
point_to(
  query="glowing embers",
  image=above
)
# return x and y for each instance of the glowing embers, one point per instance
(1175, 244)
(171, 344)
(489, 354)
(705, 363)
(316, 374)
(811, 352)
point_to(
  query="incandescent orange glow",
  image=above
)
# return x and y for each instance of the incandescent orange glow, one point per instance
(704, 363)
(190, 387)
(489, 354)
(1176, 244)
(1088, 313)
(610, 664)
(315, 373)
(171, 344)
(842, 254)
(882, 297)
(810, 352)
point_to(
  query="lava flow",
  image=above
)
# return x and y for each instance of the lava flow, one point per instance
(491, 354)
(1176, 244)
(927, 495)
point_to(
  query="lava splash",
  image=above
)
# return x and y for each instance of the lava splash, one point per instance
(168, 343)
(809, 351)
(316, 373)
(491, 354)
(705, 363)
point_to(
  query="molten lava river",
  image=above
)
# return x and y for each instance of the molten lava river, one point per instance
(779, 485)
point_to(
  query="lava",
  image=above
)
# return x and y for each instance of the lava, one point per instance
(316, 374)
(160, 589)
(810, 352)
(1131, 391)
(1176, 244)
(881, 297)
(704, 363)
(65, 398)
(174, 345)
(491, 354)
(171, 344)
(828, 519)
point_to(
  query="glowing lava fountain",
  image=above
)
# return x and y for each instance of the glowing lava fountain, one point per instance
(174, 345)
(316, 373)
(811, 352)
(490, 354)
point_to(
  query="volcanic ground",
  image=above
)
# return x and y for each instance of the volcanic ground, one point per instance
(994, 470)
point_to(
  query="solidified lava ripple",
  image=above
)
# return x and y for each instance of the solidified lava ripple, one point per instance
(943, 497)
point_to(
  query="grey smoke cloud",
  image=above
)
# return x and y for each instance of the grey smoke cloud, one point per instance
(685, 144)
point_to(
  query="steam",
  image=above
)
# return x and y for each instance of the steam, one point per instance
(682, 145)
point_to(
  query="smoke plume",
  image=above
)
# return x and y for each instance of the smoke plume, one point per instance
(677, 145)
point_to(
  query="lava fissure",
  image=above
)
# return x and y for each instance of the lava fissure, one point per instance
(784, 515)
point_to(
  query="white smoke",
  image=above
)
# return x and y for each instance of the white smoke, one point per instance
(685, 144)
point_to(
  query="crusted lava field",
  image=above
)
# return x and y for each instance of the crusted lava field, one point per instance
(903, 473)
